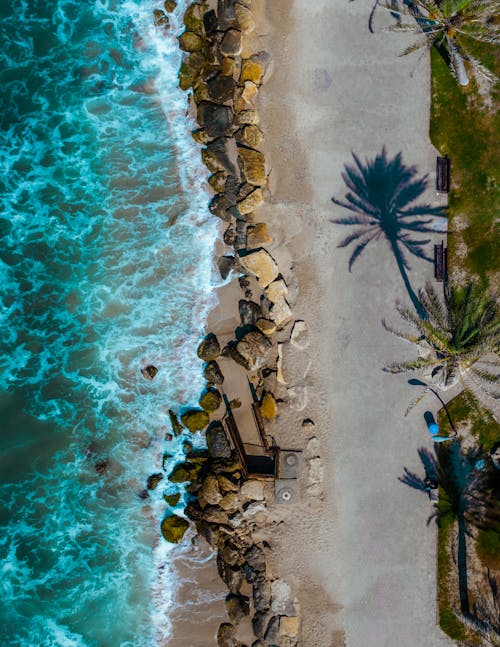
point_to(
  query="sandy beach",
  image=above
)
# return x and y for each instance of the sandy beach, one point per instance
(360, 555)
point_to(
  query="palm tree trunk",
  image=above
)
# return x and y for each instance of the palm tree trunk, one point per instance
(411, 293)
(462, 566)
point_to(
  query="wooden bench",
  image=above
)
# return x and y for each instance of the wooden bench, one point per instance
(443, 174)
(440, 262)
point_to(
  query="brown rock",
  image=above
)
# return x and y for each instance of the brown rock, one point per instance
(276, 291)
(249, 93)
(251, 136)
(261, 594)
(245, 18)
(209, 348)
(252, 490)
(232, 577)
(195, 419)
(216, 158)
(251, 202)
(231, 555)
(256, 558)
(273, 631)
(280, 313)
(254, 68)
(190, 42)
(173, 528)
(161, 19)
(225, 265)
(258, 235)
(231, 43)
(218, 180)
(289, 626)
(230, 502)
(212, 514)
(229, 236)
(149, 371)
(226, 485)
(267, 326)
(226, 635)
(254, 347)
(261, 264)
(210, 490)
(191, 69)
(210, 400)
(237, 607)
(193, 17)
(227, 66)
(252, 166)
(177, 428)
(212, 373)
(170, 5)
(249, 312)
(200, 94)
(200, 136)
(259, 623)
(222, 206)
(247, 117)
(153, 480)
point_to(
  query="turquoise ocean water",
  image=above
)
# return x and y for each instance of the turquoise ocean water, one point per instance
(105, 266)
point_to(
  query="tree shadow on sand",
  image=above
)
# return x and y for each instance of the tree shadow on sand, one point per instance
(468, 495)
(381, 194)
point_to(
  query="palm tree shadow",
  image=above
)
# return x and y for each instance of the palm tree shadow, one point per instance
(468, 495)
(381, 195)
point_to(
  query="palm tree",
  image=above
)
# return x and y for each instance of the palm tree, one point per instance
(456, 338)
(381, 195)
(450, 25)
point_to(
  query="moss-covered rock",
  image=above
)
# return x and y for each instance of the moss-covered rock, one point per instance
(210, 400)
(209, 348)
(172, 499)
(173, 528)
(212, 373)
(191, 68)
(170, 5)
(184, 472)
(268, 407)
(190, 42)
(161, 18)
(195, 419)
(177, 428)
(193, 18)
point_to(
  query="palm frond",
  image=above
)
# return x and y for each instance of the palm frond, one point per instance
(411, 365)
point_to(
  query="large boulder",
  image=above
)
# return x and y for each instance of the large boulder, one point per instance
(191, 69)
(266, 326)
(245, 117)
(209, 348)
(254, 347)
(161, 19)
(221, 88)
(212, 373)
(250, 135)
(226, 635)
(252, 166)
(216, 158)
(254, 68)
(195, 419)
(258, 235)
(222, 206)
(237, 607)
(170, 5)
(210, 400)
(173, 528)
(244, 18)
(193, 17)
(231, 43)
(251, 202)
(225, 265)
(184, 472)
(153, 480)
(261, 594)
(190, 42)
(217, 443)
(210, 491)
(249, 311)
(252, 490)
(261, 264)
(276, 291)
(216, 119)
(177, 428)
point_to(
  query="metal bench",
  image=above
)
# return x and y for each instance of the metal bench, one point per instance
(443, 174)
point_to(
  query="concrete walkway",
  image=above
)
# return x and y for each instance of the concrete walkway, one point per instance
(337, 89)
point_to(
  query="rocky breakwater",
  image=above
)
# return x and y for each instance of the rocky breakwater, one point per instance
(223, 69)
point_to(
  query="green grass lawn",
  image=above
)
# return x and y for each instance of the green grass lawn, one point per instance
(469, 134)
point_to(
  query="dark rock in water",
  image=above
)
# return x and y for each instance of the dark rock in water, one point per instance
(195, 419)
(101, 466)
(190, 42)
(221, 88)
(212, 373)
(153, 480)
(177, 428)
(209, 348)
(193, 511)
(237, 607)
(143, 494)
(210, 533)
(226, 635)
(216, 119)
(210, 22)
(149, 371)
(231, 43)
(184, 472)
(225, 265)
(173, 528)
(250, 312)
(172, 499)
(170, 5)
(161, 19)
(218, 445)
(222, 207)
(191, 69)
(166, 456)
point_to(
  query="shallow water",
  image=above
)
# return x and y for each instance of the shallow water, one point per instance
(105, 267)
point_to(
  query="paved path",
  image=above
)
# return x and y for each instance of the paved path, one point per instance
(346, 90)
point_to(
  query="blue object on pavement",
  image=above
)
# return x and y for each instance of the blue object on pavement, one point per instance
(440, 439)
(433, 428)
